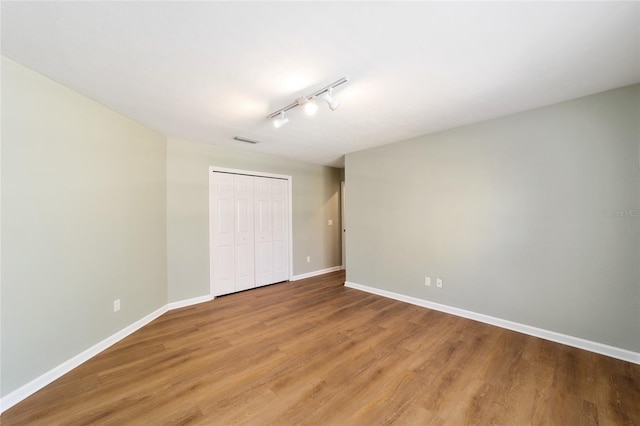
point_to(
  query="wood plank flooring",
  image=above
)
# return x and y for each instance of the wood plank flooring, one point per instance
(314, 352)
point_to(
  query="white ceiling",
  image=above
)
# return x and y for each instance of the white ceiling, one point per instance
(207, 71)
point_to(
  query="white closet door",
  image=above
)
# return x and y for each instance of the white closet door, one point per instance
(250, 227)
(222, 224)
(263, 231)
(272, 224)
(280, 226)
(244, 237)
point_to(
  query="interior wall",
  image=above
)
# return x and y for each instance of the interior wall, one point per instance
(83, 223)
(316, 200)
(532, 218)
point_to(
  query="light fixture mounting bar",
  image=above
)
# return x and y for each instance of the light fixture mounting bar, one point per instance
(311, 96)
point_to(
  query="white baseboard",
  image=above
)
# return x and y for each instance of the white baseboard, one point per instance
(38, 383)
(189, 302)
(315, 273)
(576, 342)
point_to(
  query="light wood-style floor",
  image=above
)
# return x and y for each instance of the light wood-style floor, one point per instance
(314, 352)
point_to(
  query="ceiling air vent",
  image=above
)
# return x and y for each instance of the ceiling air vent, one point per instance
(241, 139)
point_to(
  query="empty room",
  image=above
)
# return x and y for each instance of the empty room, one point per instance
(319, 213)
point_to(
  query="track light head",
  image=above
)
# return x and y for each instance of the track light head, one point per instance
(279, 122)
(310, 106)
(330, 100)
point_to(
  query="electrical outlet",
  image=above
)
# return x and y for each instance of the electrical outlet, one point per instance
(427, 281)
(439, 282)
(308, 259)
(330, 222)
(116, 305)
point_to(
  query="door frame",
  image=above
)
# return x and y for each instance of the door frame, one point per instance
(289, 180)
(343, 225)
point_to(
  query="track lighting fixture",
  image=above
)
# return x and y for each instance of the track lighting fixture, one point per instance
(330, 100)
(309, 103)
(279, 122)
(310, 107)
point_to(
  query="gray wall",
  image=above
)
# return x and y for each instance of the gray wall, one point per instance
(522, 216)
(97, 207)
(316, 199)
(83, 223)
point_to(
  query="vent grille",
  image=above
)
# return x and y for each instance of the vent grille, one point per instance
(245, 140)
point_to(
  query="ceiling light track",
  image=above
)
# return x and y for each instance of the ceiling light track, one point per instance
(309, 103)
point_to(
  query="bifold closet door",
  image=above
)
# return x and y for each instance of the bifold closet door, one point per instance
(244, 233)
(233, 234)
(271, 230)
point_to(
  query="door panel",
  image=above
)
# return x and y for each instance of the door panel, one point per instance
(263, 216)
(279, 225)
(279, 260)
(223, 235)
(244, 235)
(263, 257)
(263, 234)
(280, 237)
(225, 260)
